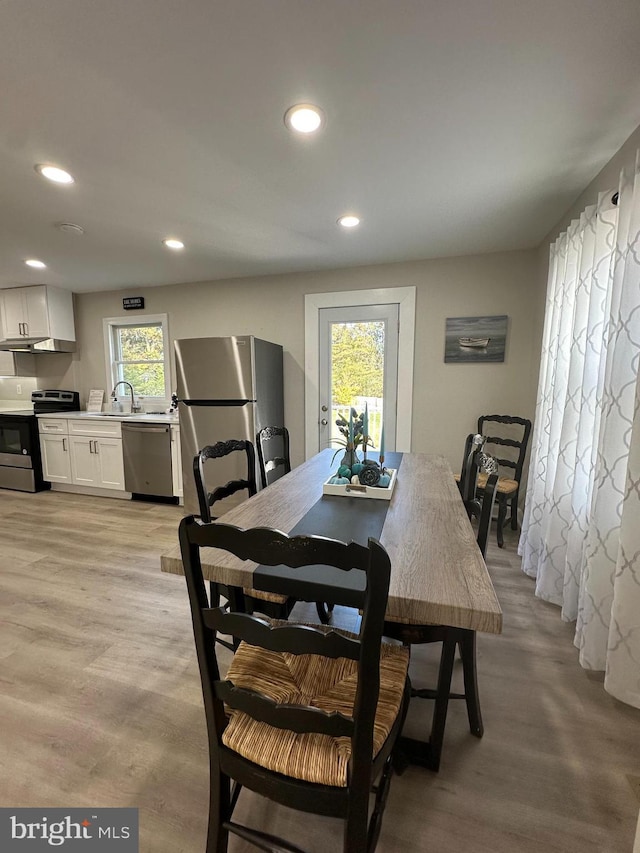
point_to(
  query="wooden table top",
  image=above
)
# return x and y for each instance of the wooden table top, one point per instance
(438, 575)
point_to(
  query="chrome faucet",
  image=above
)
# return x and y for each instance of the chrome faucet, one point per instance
(133, 400)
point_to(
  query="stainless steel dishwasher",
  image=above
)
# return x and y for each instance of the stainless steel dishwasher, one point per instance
(147, 459)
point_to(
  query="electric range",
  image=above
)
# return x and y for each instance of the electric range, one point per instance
(20, 460)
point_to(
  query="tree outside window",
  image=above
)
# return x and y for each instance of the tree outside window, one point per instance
(357, 367)
(137, 352)
(140, 359)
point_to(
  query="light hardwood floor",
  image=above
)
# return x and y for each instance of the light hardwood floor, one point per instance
(100, 703)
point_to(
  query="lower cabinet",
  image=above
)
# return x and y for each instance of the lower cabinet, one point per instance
(56, 459)
(82, 452)
(97, 462)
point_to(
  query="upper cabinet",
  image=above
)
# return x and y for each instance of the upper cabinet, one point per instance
(30, 314)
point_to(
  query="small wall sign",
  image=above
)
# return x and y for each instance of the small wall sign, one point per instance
(130, 302)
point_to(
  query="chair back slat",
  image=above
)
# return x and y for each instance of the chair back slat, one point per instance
(230, 488)
(505, 442)
(280, 715)
(295, 639)
(274, 548)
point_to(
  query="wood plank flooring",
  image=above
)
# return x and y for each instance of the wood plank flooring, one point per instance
(100, 703)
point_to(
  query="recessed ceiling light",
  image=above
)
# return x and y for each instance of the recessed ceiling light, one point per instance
(170, 243)
(37, 265)
(348, 221)
(54, 173)
(305, 118)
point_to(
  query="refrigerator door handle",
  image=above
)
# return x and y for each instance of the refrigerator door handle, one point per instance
(216, 403)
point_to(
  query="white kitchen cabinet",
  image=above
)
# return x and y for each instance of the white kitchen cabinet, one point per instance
(84, 467)
(110, 463)
(97, 462)
(176, 461)
(56, 458)
(54, 449)
(96, 453)
(36, 313)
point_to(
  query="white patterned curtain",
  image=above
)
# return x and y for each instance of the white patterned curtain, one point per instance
(581, 531)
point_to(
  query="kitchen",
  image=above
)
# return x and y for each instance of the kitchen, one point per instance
(101, 704)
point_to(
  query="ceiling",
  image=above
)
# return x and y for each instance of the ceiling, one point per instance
(451, 128)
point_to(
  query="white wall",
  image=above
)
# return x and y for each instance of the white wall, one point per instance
(448, 397)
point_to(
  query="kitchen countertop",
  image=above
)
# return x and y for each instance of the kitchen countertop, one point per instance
(139, 417)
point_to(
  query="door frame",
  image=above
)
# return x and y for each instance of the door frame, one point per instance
(405, 298)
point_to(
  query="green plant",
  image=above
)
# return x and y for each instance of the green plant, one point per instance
(358, 438)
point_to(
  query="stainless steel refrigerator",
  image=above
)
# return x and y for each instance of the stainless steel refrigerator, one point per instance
(227, 388)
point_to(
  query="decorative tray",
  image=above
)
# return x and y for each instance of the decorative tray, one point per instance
(359, 491)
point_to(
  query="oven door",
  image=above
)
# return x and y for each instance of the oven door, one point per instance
(15, 442)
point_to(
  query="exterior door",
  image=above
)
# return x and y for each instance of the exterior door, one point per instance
(358, 367)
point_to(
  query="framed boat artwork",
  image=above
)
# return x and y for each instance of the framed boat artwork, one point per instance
(475, 339)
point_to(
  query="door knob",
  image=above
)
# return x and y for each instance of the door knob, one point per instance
(324, 422)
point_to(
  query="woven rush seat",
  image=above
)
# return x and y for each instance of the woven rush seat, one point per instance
(309, 680)
(275, 597)
(505, 485)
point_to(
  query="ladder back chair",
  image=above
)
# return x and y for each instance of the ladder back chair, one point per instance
(506, 439)
(450, 637)
(272, 443)
(307, 716)
(278, 606)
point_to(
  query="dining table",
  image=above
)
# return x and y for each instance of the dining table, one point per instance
(438, 574)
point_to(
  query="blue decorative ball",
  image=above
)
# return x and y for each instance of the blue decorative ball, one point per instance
(384, 481)
(344, 471)
(342, 481)
(356, 468)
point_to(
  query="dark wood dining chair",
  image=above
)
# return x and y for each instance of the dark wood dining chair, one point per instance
(272, 604)
(506, 439)
(429, 753)
(307, 716)
(272, 443)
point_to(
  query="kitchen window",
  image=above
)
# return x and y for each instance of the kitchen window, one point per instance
(136, 351)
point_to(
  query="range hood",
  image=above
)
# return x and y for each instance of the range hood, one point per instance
(47, 345)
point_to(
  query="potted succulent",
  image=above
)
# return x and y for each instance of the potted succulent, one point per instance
(354, 437)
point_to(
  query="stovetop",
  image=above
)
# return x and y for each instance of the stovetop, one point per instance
(17, 413)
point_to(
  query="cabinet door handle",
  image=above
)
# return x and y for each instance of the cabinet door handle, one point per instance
(91, 445)
(96, 445)
(26, 329)
(20, 332)
(64, 444)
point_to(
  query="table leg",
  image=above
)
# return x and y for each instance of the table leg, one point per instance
(427, 754)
